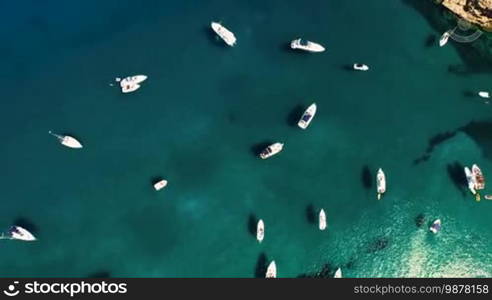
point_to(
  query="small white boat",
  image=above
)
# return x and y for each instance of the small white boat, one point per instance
(260, 231)
(470, 180)
(338, 273)
(306, 45)
(444, 39)
(484, 94)
(271, 270)
(322, 220)
(271, 150)
(488, 197)
(131, 83)
(307, 116)
(381, 183)
(67, 140)
(18, 233)
(436, 226)
(224, 33)
(479, 179)
(361, 67)
(160, 185)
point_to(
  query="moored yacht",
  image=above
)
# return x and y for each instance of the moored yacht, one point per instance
(361, 67)
(225, 34)
(444, 38)
(381, 183)
(470, 180)
(131, 83)
(307, 116)
(479, 178)
(484, 94)
(159, 185)
(18, 233)
(322, 220)
(271, 150)
(306, 45)
(436, 226)
(271, 270)
(338, 273)
(67, 140)
(260, 231)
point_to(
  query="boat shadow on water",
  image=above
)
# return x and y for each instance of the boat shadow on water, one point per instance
(26, 224)
(295, 114)
(252, 224)
(431, 41)
(420, 220)
(378, 244)
(366, 177)
(261, 265)
(311, 214)
(457, 175)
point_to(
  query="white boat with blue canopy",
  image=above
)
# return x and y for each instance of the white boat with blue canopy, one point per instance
(307, 116)
(18, 233)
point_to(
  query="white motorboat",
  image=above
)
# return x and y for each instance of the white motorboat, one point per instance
(488, 197)
(307, 116)
(444, 39)
(271, 270)
(260, 231)
(306, 45)
(322, 220)
(470, 180)
(479, 178)
(381, 183)
(271, 150)
(224, 33)
(338, 273)
(18, 233)
(360, 67)
(160, 185)
(436, 226)
(67, 140)
(484, 94)
(131, 83)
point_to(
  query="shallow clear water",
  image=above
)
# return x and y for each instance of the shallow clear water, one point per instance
(198, 121)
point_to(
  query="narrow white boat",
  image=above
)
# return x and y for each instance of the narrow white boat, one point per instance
(306, 45)
(471, 180)
(488, 197)
(160, 185)
(260, 231)
(436, 226)
(307, 116)
(18, 233)
(444, 39)
(479, 179)
(381, 183)
(131, 83)
(484, 94)
(361, 67)
(271, 270)
(224, 33)
(67, 140)
(322, 220)
(338, 273)
(271, 150)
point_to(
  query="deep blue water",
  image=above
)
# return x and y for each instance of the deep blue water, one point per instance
(198, 120)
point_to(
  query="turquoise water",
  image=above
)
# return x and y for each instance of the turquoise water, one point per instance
(197, 122)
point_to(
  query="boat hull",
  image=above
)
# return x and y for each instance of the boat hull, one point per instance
(225, 34)
(381, 183)
(271, 150)
(309, 47)
(260, 231)
(307, 116)
(271, 270)
(71, 142)
(19, 233)
(436, 226)
(470, 180)
(160, 185)
(322, 220)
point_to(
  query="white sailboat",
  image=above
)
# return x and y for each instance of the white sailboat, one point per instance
(271, 270)
(271, 150)
(436, 226)
(306, 45)
(444, 38)
(322, 220)
(225, 34)
(338, 273)
(470, 180)
(160, 184)
(18, 233)
(381, 183)
(67, 140)
(307, 116)
(260, 231)
(360, 67)
(131, 83)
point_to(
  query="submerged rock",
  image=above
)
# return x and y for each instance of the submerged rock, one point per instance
(478, 12)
